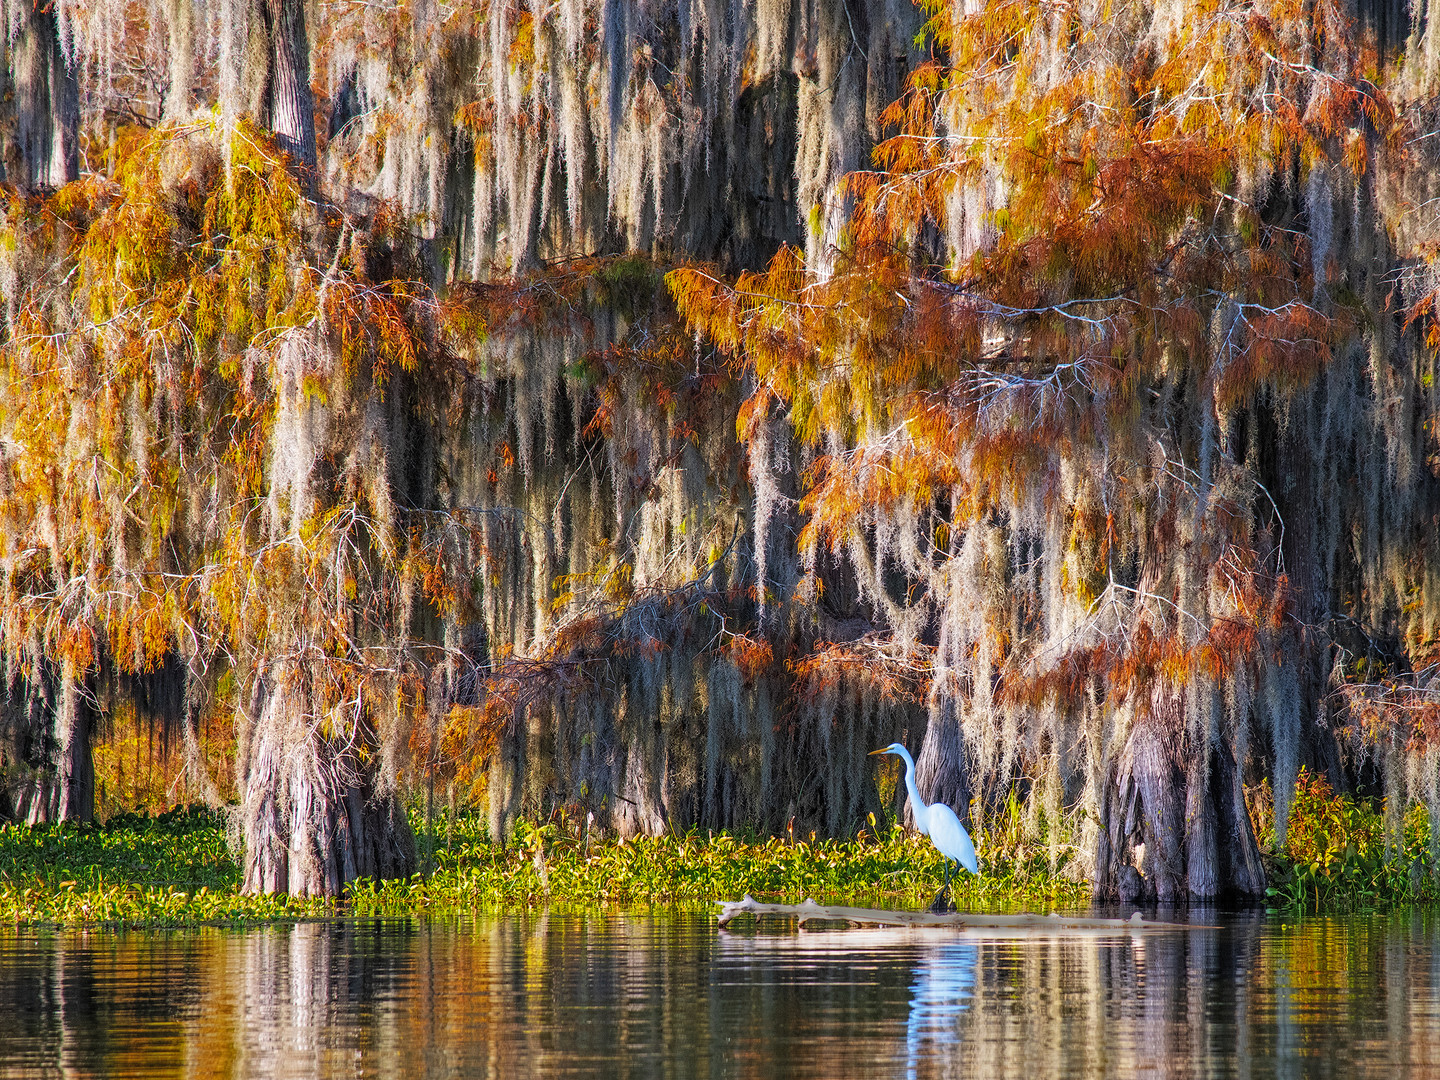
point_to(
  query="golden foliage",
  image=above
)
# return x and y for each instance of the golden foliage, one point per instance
(196, 330)
(1072, 217)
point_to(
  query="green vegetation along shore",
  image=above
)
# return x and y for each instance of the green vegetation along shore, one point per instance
(178, 869)
(1344, 855)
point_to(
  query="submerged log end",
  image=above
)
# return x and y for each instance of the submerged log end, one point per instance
(730, 909)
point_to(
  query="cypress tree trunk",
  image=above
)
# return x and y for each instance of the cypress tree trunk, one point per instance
(1173, 823)
(48, 765)
(288, 107)
(507, 781)
(315, 811)
(941, 769)
(45, 100)
(74, 729)
(29, 749)
(314, 814)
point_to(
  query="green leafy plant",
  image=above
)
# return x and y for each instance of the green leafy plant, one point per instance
(1338, 854)
(177, 869)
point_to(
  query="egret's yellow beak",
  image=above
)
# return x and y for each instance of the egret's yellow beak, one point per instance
(874, 752)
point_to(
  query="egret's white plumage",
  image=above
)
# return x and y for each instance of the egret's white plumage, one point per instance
(936, 820)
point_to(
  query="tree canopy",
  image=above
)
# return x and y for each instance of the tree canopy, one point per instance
(654, 406)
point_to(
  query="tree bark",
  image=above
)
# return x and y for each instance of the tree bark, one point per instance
(48, 764)
(288, 107)
(44, 151)
(29, 749)
(1173, 820)
(315, 815)
(941, 769)
(74, 729)
(507, 781)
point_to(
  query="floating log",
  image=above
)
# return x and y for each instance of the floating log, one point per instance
(810, 911)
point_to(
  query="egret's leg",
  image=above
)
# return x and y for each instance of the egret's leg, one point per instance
(941, 904)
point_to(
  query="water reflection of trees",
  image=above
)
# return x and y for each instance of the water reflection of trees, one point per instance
(1159, 1005)
(512, 997)
(72, 1003)
(622, 996)
(1341, 998)
(944, 985)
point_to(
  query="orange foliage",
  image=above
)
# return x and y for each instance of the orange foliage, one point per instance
(876, 663)
(147, 513)
(1401, 709)
(1120, 176)
(751, 657)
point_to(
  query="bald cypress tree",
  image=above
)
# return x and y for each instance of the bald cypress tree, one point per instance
(652, 407)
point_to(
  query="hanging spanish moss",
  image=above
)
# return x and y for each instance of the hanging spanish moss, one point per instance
(652, 406)
(1127, 445)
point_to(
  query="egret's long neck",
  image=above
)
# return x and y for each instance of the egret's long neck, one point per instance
(917, 805)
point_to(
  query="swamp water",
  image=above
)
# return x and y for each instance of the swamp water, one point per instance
(667, 994)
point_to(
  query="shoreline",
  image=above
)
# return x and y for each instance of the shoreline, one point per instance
(175, 870)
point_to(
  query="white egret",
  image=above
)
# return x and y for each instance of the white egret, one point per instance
(937, 821)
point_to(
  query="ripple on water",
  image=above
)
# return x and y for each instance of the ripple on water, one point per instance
(666, 994)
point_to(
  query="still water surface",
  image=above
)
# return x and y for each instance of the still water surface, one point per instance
(668, 995)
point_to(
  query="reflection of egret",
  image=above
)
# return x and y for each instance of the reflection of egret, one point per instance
(943, 986)
(937, 821)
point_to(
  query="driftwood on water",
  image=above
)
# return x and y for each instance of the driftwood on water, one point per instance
(810, 911)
